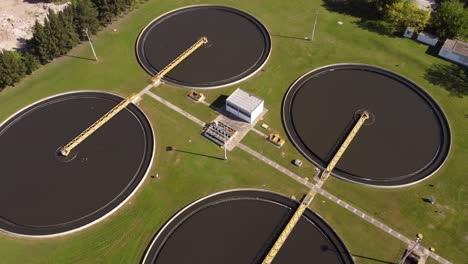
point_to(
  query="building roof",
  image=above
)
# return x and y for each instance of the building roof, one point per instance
(456, 46)
(428, 35)
(244, 100)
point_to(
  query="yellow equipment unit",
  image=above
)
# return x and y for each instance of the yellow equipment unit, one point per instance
(276, 140)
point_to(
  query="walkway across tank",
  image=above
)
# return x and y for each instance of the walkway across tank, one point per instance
(405, 140)
(238, 46)
(240, 226)
(43, 193)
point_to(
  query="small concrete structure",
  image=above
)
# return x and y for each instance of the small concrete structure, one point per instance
(197, 97)
(241, 127)
(219, 132)
(409, 32)
(298, 162)
(455, 50)
(244, 105)
(427, 38)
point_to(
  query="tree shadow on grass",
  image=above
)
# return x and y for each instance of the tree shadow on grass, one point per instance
(356, 8)
(368, 12)
(378, 26)
(452, 77)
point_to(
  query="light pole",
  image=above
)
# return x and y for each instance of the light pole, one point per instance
(225, 144)
(315, 24)
(91, 44)
(416, 243)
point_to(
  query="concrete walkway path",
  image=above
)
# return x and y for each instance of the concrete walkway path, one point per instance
(260, 133)
(175, 108)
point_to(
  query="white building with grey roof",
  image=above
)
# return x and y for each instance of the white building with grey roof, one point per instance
(244, 105)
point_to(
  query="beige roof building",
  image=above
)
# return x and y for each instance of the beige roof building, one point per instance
(455, 50)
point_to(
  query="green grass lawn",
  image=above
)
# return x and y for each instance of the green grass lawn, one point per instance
(282, 156)
(356, 233)
(185, 177)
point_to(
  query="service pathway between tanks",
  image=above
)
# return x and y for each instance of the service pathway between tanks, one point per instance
(314, 187)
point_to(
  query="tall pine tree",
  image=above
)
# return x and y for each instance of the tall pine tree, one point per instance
(69, 37)
(38, 44)
(59, 33)
(31, 62)
(85, 18)
(55, 31)
(117, 6)
(104, 11)
(12, 68)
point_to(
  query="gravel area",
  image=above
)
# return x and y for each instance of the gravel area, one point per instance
(17, 17)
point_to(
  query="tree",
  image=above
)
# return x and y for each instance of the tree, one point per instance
(56, 37)
(31, 62)
(104, 11)
(55, 30)
(12, 68)
(406, 14)
(69, 38)
(450, 20)
(38, 44)
(85, 18)
(380, 6)
(51, 40)
(59, 33)
(464, 31)
(365, 9)
(116, 7)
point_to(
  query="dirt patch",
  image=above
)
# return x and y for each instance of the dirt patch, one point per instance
(17, 17)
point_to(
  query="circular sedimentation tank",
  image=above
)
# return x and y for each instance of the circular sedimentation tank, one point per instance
(238, 46)
(240, 226)
(43, 193)
(405, 140)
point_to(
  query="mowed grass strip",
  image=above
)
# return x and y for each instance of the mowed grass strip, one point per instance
(365, 243)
